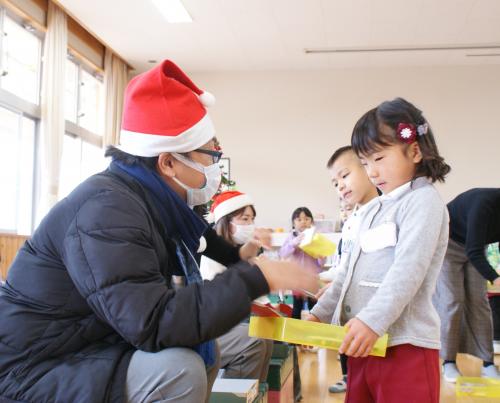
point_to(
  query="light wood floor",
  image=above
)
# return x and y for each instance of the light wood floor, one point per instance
(319, 370)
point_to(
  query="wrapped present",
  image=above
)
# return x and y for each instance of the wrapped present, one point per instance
(316, 245)
(234, 391)
(478, 387)
(306, 333)
(281, 350)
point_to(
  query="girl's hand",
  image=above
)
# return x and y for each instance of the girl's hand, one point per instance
(287, 275)
(298, 239)
(359, 340)
(496, 282)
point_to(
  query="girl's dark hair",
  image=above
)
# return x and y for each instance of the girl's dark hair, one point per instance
(304, 210)
(222, 227)
(377, 129)
(129, 159)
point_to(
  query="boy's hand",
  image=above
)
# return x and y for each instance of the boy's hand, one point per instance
(359, 340)
(322, 290)
(311, 318)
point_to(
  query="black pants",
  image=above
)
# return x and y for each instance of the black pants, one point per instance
(495, 311)
(298, 303)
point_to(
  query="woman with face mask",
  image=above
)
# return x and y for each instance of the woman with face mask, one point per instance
(241, 356)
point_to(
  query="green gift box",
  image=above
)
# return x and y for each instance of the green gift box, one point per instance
(279, 369)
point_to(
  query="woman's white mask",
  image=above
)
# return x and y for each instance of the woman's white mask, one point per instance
(196, 197)
(243, 233)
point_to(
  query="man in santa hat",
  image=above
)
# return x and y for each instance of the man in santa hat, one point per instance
(105, 302)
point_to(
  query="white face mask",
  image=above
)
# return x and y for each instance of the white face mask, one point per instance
(243, 233)
(196, 197)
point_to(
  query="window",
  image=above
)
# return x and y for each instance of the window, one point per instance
(80, 160)
(84, 102)
(17, 151)
(20, 60)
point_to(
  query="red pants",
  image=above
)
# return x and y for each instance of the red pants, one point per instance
(407, 374)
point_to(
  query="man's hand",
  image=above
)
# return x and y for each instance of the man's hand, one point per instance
(287, 275)
(359, 340)
(261, 239)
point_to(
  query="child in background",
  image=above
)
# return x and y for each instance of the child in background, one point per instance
(241, 356)
(394, 262)
(355, 189)
(466, 320)
(302, 219)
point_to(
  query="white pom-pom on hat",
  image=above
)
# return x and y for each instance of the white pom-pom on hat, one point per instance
(207, 99)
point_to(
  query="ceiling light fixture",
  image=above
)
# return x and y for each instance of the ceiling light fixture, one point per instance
(173, 11)
(401, 49)
(482, 54)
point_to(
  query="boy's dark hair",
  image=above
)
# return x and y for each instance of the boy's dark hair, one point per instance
(336, 155)
(305, 210)
(129, 159)
(377, 129)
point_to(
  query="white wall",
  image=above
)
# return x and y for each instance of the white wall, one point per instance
(280, 128)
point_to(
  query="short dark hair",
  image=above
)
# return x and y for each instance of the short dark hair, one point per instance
(377, 129)
(298, 210)
(336, 155)
(129, 159)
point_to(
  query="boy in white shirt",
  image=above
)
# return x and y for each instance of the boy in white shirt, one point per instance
(355, 188)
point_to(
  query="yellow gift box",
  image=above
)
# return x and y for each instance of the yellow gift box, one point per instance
(316, 245)
(306, 333)
(477, 387)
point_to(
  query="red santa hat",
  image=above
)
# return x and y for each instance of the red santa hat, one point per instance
(227, 202)
(164, 111)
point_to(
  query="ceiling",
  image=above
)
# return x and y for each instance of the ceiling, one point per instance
(272, 34)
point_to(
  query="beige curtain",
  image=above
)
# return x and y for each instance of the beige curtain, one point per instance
(115, 81)
(52, 107)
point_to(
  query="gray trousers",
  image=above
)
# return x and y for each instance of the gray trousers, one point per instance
(171, 375)
(462, 304)
(243, 356)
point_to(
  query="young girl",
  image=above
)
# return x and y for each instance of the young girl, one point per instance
(302, 219)
(241, 356)
(388, 284)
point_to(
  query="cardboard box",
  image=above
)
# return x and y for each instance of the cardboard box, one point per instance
(234, 391)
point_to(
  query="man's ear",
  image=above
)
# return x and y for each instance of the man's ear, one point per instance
(415, 152)
(165, 165)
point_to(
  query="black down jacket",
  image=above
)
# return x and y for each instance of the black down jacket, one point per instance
(92, 285)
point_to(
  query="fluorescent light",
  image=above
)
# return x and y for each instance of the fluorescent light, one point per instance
(173, 10)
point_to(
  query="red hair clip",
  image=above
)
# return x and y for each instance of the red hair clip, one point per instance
(406, 132)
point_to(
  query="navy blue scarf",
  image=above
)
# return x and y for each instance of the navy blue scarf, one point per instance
(182, 225)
